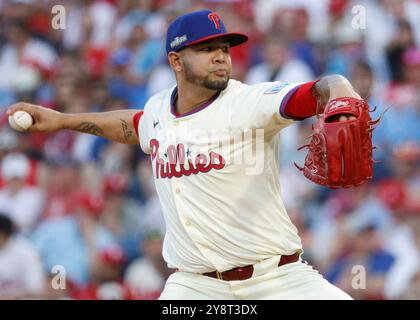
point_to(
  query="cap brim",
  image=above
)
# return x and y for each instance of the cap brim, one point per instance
(233, 38)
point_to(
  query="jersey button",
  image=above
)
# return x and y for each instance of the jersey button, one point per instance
(177, 190)
(188, 223)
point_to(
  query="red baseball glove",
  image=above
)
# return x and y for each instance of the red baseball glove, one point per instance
(340, 152)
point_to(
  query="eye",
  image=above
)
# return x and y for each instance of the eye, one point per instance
(225, 49)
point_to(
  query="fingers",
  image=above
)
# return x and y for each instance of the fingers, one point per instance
(30, 108)
(346, 117)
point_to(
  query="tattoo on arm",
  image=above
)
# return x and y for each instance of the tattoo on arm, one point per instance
(127, 132)
(89, 127)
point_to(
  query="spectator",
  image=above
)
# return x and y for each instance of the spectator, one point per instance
(146, 276)
(120, 215)
(365, 248)
(412, 292)
(63, 182)
(24, 203)
(21, 273)
(394, 194)
(75, 241)
(402, 41)
(294, 23)
(349, 48)
(132, 64)
(24, 50)
(278, 65)
(403, 279)
(363, 79)
(404, 101)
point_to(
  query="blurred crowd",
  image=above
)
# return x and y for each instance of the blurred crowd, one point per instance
(79, 216)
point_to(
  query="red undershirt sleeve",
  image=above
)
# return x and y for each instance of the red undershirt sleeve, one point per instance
(136, 121)
(301, 104)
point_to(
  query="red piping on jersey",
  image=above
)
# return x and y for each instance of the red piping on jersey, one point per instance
(202, 106)
(300, 103)
(136, 121)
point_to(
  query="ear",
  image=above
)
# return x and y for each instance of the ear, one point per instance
(175, 61)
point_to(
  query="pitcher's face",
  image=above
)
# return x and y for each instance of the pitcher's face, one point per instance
(207, 64)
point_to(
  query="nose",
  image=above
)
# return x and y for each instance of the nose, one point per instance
(219, 56)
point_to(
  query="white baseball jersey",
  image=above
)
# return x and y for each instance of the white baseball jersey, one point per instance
(217, 176)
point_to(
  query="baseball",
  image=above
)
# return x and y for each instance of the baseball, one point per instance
(21, 120)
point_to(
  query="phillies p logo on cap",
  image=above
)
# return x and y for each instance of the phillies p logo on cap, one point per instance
(196, 27)
(215, 18)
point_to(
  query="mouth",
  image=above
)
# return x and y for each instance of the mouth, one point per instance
(220, 73)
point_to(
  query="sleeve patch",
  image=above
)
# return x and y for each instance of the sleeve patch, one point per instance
(276, 88)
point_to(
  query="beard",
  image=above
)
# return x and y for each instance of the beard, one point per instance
(205, 82)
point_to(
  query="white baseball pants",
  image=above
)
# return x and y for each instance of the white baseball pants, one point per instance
(293, 281)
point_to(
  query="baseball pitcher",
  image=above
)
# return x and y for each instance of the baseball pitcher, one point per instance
(214, 147)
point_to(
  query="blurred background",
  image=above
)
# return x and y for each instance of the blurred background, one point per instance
(89, 206)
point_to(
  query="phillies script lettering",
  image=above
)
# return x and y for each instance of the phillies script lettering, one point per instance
(177, 164)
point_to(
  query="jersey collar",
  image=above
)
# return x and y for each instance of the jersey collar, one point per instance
(174, 97)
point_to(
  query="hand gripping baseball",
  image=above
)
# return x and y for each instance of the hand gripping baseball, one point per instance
(340, 152)
(43, 119)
